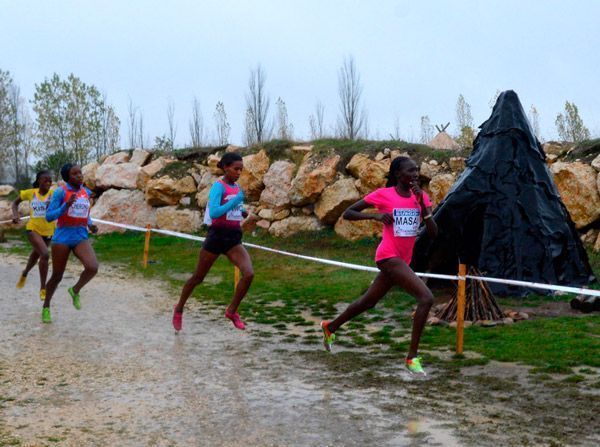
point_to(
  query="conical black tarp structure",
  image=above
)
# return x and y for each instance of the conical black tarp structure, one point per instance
(504, 215)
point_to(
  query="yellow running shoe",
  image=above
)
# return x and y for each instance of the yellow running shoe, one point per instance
(21, 282)
(43, 294)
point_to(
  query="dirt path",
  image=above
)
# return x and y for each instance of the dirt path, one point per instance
(115, 373)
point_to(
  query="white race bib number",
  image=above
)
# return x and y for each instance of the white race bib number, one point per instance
(80, 208)
(38, 208)
(406, 222)
(235, 214)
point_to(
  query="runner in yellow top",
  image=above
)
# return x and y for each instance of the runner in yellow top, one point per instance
(39, 230)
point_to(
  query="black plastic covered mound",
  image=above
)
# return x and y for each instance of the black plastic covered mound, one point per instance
(504, 215)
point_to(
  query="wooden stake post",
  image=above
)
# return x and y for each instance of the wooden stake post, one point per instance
(146, 246)
(460, 308)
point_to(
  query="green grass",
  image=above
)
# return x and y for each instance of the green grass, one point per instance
(290, 293)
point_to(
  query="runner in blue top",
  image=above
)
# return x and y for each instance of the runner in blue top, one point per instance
(70, 206)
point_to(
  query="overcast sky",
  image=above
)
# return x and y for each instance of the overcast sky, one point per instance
(414, 58)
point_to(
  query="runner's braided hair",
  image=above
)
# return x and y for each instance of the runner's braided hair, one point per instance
(36, 183)
(228, 159)
(392, 179)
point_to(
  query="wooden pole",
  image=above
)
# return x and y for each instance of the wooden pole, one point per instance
(460, 310)
(236, 278)
(146, 246)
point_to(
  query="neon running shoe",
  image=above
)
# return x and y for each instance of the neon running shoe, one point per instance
(235, 318)
(177, 319)
(414, 366)
(21, 282)
(43, 294)
(328, 337)
(75, 297)
(46, 318)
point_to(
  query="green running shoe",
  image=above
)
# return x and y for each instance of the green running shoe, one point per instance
(75, 296)
(328, 337)
(46, 318)
(414, 366)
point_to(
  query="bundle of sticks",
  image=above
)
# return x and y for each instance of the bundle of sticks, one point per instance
(480, 303)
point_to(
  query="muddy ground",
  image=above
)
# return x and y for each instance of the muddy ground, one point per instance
(115, 373)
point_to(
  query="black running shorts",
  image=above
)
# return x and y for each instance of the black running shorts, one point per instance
(220, 240)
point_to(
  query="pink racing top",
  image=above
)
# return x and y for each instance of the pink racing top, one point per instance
(399, 238)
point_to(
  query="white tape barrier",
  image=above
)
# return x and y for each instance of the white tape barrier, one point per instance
(10, 221)
(272, 250)
(576, 290)
(512, 282)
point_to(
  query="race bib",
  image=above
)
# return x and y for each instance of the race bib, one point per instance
(406, 222)
(80, 208)
(235, 213)
(38, 208)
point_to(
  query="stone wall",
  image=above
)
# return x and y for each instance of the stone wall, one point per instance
(286, 196)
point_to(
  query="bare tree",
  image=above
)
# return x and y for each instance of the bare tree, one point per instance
(426, 130)
(171, 120)
(141, 138)
(258, 103)
(196, 124)
(222, 124)
(316, 122)
(285, 129)
(534, 121)
(132, 124)
(352, 115)
(396, 134)
(249, 129)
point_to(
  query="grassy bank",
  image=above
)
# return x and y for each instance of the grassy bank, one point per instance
(289, 296)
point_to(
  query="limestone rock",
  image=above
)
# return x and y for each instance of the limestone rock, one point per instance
(277, 180)
(251, 180)
(457, 164)
(354, 230)
(186, 185)
(264, 224)
(150, 170)
(163, 191)
(597, 244)
(555, 148)
(335, 199)
(271, 215)
(294, 224)
(439, 187)
(370, 174)
(202, 198)
(576, 183)
(89, 174)
(589, 238)
(119, 157)
(140, 157)
(596, 163)
(313, 176)
(429, 170)
(6, 190)
(212, 161)
(6, 213)
(183, 221)
(121, 175)
(123, 206)
(233, 148)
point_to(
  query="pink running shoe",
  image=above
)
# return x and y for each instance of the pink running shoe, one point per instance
(235, 318)
(177, 319)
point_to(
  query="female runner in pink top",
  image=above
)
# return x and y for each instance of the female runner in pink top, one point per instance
(401, 206)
